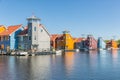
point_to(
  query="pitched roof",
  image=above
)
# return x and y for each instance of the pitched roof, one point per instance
(10, 30)
(78, 39)
(60, 37)
(1, 25)
(44, 28)
(24, 32)
(54, 36)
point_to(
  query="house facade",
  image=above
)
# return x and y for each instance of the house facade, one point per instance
(65, 41)
(23, 39)
(90, 43)
(79, 43)
(53, 40)
(8, 37)
(112, 44)
(100, 43)
(35, 36)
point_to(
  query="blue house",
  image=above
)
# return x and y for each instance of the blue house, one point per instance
(8, 38)
(101, 44)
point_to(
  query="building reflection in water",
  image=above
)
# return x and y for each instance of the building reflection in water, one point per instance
(114, 53)
(92, 59)
(115, 59)
(4, 68)
(29, 68)
(69, 61)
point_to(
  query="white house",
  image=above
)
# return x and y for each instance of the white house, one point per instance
(34, 36)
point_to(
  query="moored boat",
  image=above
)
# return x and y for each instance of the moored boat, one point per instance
(58, 52)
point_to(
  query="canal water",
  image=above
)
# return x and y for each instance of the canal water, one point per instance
(94, 65)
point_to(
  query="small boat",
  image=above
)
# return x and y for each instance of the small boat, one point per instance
(58, 52)
(77, 50)
(23, 53)
(101, 49)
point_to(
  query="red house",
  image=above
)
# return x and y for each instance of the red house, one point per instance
(91, 43)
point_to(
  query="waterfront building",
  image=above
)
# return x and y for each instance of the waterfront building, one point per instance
(101, 44)
(59, 42)
(53, 41)
(90, 43)
(35, 36)
(23, 39)
(78, 43)
(2, 28)
(65, 41)
(112, 44)
(8, 37)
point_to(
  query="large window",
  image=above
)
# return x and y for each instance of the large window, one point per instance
(35, 38)
(34, 28)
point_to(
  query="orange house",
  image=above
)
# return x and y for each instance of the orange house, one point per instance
(53, 41)
(65, 41)
(112, 44)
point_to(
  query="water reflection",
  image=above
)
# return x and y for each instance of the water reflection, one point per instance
(92, 60)
(114, 53)
(24, 68)
(115, 58)
(69, 61)
(93, 65)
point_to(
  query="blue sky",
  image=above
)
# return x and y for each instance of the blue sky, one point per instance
(97, 17)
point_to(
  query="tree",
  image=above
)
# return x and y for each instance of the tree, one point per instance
(106, 41)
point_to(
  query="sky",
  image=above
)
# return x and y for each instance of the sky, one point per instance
(101, 18)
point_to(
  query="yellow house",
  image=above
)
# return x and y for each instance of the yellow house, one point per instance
(68, 41)
(65, 41)
(2, 28)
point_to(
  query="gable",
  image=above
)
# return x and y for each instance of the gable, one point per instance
(44, 29)
(10, 30)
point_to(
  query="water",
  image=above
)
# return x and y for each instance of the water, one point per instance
(104, 65)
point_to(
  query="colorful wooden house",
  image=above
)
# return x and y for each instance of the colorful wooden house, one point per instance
(112, 44)
(35, 37)
(90, 43)
(68, 41)
(23, 39)
(53, 40)
(8, 37)
(59, 42)
(65, 41)
(101, 44)
(2, 28)
(78, 43)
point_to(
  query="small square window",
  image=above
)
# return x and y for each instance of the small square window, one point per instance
(41, 30)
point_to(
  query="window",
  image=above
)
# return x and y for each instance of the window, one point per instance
(35, 38)
(34, 28)
(41, 30)
(21, 39)
(29, 37)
